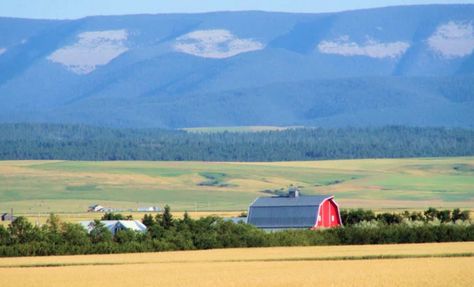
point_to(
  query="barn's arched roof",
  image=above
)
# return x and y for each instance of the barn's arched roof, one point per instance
(301, 200)
(285, 212)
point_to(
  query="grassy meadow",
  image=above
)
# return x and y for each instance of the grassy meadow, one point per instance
(436, 264)
(32, 187)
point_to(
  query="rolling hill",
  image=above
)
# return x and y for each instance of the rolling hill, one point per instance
(411, 65)
(71, 186)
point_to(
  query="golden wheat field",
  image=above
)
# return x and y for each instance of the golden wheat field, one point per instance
(435, 264)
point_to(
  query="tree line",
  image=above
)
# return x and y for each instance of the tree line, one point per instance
(356, 216)
(79, 142)
(166, 233)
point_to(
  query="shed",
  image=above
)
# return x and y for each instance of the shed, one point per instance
(7, 217)
(294, 211)
(96, 208)
(116, 225)
(148, 209)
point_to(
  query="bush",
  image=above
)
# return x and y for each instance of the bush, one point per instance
(100, 233)
(166, 233)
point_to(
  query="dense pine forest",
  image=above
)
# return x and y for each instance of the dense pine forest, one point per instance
(79, 142)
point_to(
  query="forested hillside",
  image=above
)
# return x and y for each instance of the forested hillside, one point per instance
(79, 142)
(410, 65)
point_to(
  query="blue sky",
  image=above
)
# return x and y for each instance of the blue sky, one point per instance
(67, 9)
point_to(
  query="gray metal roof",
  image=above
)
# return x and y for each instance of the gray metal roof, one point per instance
(285, 212)
(301, 200)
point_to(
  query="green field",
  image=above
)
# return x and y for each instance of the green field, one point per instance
(67, 186)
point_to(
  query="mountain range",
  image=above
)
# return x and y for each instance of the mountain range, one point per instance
(407, 65)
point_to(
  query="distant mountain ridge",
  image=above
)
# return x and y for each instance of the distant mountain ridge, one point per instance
(411, 65)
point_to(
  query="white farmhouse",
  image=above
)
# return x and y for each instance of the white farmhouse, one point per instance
(116, 225)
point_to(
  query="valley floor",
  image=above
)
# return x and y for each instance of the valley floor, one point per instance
(35, 187)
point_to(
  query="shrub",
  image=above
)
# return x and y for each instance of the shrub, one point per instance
(167, 233)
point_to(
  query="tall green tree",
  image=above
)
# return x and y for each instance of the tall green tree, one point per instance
(22, 231)
(431, 214)
(75, 234)
(148, 220)
(99, 232)
(167, 220)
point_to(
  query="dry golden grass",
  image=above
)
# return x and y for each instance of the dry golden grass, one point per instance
(251, 254)
(41, 218)
(251, 267)
(409, 272)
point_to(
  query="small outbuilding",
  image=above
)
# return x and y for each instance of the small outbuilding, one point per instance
(294, 211)
(149, 209)
(100, 208)
(116, 225)
(7, 217)
(96, 208)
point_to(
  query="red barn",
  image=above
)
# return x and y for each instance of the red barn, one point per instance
(328, 213)
(294, 211)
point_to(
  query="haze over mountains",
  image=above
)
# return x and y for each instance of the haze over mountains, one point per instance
(410, 65)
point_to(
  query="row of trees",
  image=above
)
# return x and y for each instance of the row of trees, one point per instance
(165, 232)
(78, 142)
(352, 217)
